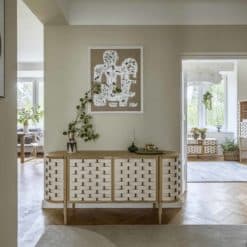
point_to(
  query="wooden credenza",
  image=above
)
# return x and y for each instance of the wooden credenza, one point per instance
(112, 177)
(200, 147)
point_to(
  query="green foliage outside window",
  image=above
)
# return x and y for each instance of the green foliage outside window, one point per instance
(216, 115)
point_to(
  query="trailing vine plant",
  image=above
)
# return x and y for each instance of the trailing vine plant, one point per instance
(82, 125)
(207, 100)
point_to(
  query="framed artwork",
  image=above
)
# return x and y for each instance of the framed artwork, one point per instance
(118, 71)
(2, 87)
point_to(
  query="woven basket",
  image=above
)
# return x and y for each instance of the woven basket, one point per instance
(231, 155)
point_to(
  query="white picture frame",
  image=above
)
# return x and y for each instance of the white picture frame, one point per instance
(140, 66)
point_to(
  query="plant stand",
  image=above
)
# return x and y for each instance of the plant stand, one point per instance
(231, 155)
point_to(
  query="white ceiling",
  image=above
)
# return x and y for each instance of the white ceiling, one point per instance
(148, 12)
(30, 35)
(125, 12)
(156, 12)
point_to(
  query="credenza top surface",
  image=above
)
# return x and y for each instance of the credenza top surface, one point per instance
(109, 154)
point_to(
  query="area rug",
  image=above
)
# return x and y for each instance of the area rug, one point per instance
(220, 171)
(144, 236)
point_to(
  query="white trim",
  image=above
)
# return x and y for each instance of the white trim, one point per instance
(214, 56)
(30, 66)
(29, 79)
(141, 81)
(226, 102)
(210, 56)
(161, 27)
(183, 127)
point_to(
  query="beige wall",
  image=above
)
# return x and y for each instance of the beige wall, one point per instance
(66, 65)
(8, 175)
(242, 80)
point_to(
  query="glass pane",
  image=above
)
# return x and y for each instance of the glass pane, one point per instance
(192, 106)
(216, 116)
(24, 95)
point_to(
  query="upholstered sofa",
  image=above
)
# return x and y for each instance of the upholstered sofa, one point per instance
(33, 136)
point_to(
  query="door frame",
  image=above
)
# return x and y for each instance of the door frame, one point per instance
(183, 104)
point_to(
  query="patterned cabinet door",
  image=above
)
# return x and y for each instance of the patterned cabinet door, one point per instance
(171, 179)
(243, 129)
(54, 180)
(210, 149)
(210, 146)
(135, 179)
(90, 180)
(210, 141)
(194, 149)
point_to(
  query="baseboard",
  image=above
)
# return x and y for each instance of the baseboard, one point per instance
(47, 205)
(177, 204)
(205, 158)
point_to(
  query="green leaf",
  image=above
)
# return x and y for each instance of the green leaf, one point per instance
(82, 125)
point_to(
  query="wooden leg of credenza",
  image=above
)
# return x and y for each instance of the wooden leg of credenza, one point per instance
(65, 214)
(160, 213)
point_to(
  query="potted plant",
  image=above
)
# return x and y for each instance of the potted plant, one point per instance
(195, 132)
(25, 115)
(203, 133)
(218, 127)
(82, 126)
(207, 100)
(230, 150)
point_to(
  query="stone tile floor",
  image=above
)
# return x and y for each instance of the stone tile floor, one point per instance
(216, 171)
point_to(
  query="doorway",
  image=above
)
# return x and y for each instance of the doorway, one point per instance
(30, 127)
(211, 91)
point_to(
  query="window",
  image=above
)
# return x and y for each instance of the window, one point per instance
(30, 93)
(217, 115)
(193, 105)
(197, 114)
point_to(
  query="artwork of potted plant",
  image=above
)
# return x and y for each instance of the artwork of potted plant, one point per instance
(82, 126)
(25, 115)
(195, 132)
(230, 150)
